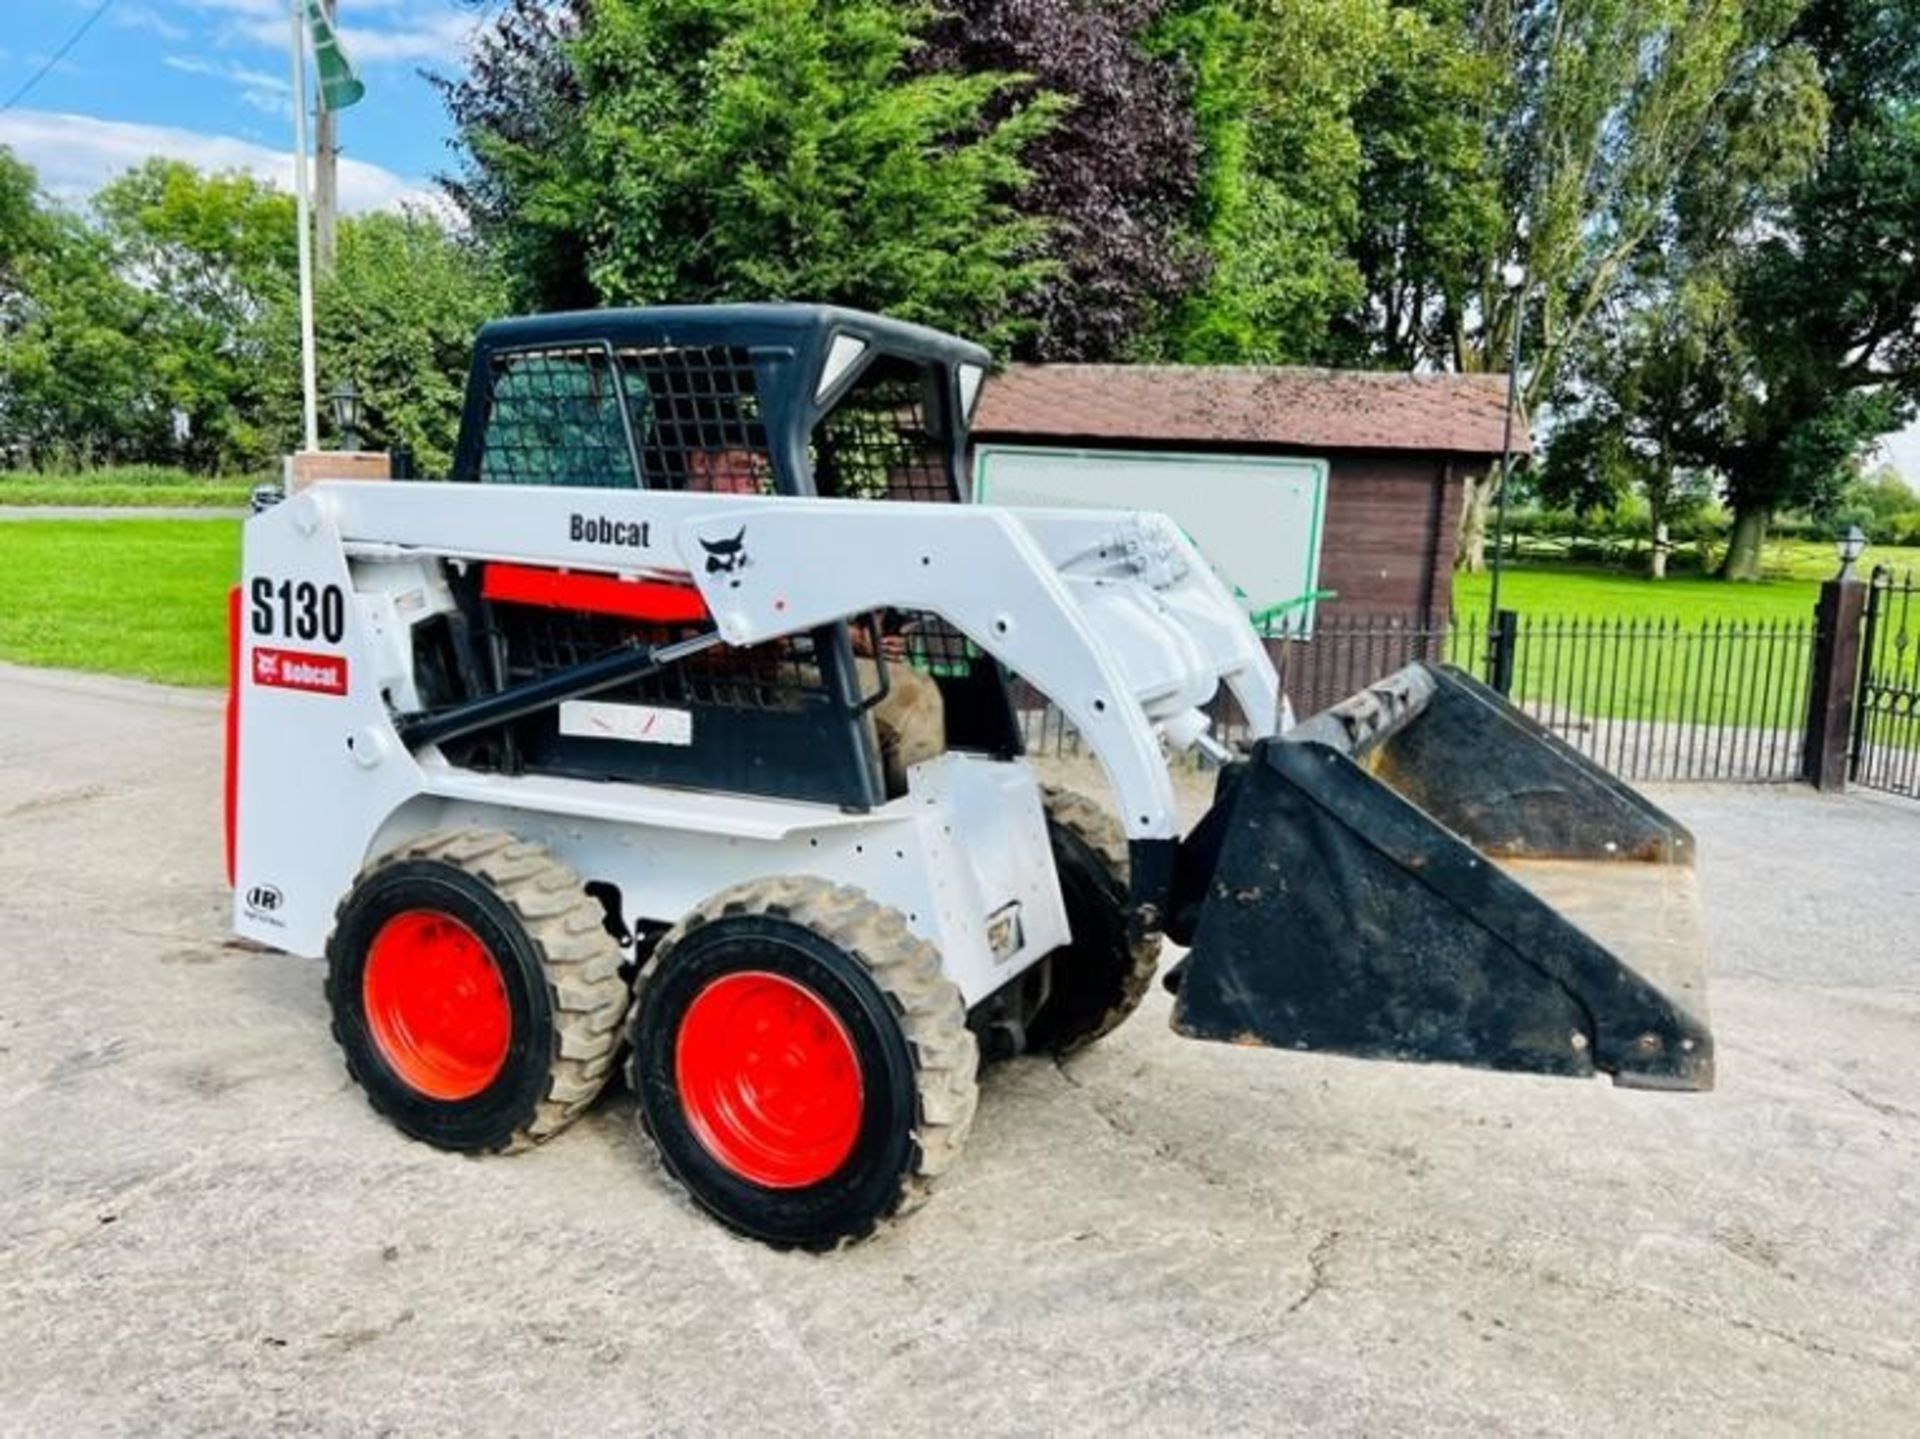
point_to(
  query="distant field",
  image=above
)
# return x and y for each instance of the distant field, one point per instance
(1571, 592)
(1733, 654)
(131, 597)
(1795, 572)
(127, 487)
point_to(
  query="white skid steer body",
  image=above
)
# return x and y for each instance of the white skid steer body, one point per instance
(1111, 615)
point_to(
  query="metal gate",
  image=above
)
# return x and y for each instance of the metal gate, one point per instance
(1886, 735)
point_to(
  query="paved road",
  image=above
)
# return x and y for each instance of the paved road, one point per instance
(202, 1228)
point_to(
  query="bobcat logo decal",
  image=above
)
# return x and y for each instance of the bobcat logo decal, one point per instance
(726, 557)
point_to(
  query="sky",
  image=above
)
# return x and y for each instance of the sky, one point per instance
(207, 81)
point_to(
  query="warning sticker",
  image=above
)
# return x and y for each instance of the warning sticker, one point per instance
(300, 670)
(637, 724)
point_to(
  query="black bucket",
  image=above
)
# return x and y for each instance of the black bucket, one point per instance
(1424, 873)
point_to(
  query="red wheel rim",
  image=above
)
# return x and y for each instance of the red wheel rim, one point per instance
(436, 1005)
(769, 1079)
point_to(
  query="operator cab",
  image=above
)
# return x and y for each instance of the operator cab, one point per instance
(772, 399)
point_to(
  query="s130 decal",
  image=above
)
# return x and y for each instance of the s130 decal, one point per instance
(297, 609)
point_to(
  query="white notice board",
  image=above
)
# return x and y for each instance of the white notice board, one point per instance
(1256, 518)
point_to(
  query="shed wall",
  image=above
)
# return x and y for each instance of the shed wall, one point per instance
(1391, 522)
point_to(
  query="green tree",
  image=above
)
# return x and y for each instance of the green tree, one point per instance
(74, 382)
(24, 225)
(1429, 202)
(397, 318)
(1649, 381)
(1653, 380)
(216, 255)
(1586, 115)
(755, 149)
(1276, 88)
(1830, 294)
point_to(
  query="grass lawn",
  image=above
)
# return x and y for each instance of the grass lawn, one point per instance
(211, 495)
(131, 597)
(125, 487)
(1795, 569)
(1732, 654)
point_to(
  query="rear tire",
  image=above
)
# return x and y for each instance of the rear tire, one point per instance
(475, 991)
(801, 1062)
(1100, 975)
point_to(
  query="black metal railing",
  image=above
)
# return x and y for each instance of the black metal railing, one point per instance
(1651, 699)
(1663, 699)
(1886, 735)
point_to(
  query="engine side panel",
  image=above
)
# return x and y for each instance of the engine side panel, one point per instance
(964, 855)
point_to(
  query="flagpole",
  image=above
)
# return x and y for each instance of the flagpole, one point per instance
(309, 381)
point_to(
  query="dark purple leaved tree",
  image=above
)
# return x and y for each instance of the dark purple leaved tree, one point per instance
(515, 109)
(1116, 176)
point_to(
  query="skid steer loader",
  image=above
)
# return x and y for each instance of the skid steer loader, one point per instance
(678, 724)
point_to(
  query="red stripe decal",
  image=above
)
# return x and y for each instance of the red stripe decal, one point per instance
(232, 796)
(655, 601)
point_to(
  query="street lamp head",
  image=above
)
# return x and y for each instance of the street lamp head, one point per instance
(346, 413)
(1850, 547)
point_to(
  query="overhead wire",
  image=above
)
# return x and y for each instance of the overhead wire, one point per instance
(57, 56)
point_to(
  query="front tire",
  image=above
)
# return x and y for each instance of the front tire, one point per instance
(801, 1062)
(475, 991)
(1098, 978)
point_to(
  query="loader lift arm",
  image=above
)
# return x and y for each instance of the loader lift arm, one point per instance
(1129, 637)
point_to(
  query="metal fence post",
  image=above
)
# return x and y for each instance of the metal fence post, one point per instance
(1880, 580)
(1506, 630)
(1835, 679)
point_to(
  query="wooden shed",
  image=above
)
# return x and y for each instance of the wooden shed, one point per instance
(1398, 449)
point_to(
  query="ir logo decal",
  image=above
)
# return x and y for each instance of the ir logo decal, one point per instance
(263, 905)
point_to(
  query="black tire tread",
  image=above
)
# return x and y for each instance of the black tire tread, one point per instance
(907, 970)
(580, 960)
(1091, 823)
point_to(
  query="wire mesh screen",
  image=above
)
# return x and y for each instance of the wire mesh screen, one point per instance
(578, 415)
(883, 440)
(780, 675)
(927, 642)
(555, 419)
(697, 419)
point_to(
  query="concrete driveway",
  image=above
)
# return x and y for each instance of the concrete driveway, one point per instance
(204, 1229)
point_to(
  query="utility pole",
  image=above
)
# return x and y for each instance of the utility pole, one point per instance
(326, 178)
(309, 385)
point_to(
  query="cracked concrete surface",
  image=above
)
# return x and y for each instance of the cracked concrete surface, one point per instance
(203, 1227)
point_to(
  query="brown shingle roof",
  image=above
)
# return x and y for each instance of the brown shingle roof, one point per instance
(1250, 405)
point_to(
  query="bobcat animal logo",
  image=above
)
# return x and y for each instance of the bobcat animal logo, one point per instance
(725, 557)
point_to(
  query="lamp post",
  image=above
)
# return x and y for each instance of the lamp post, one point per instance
(1850, 547)
(1515, 275)
(346, 414)
(1843, 629)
